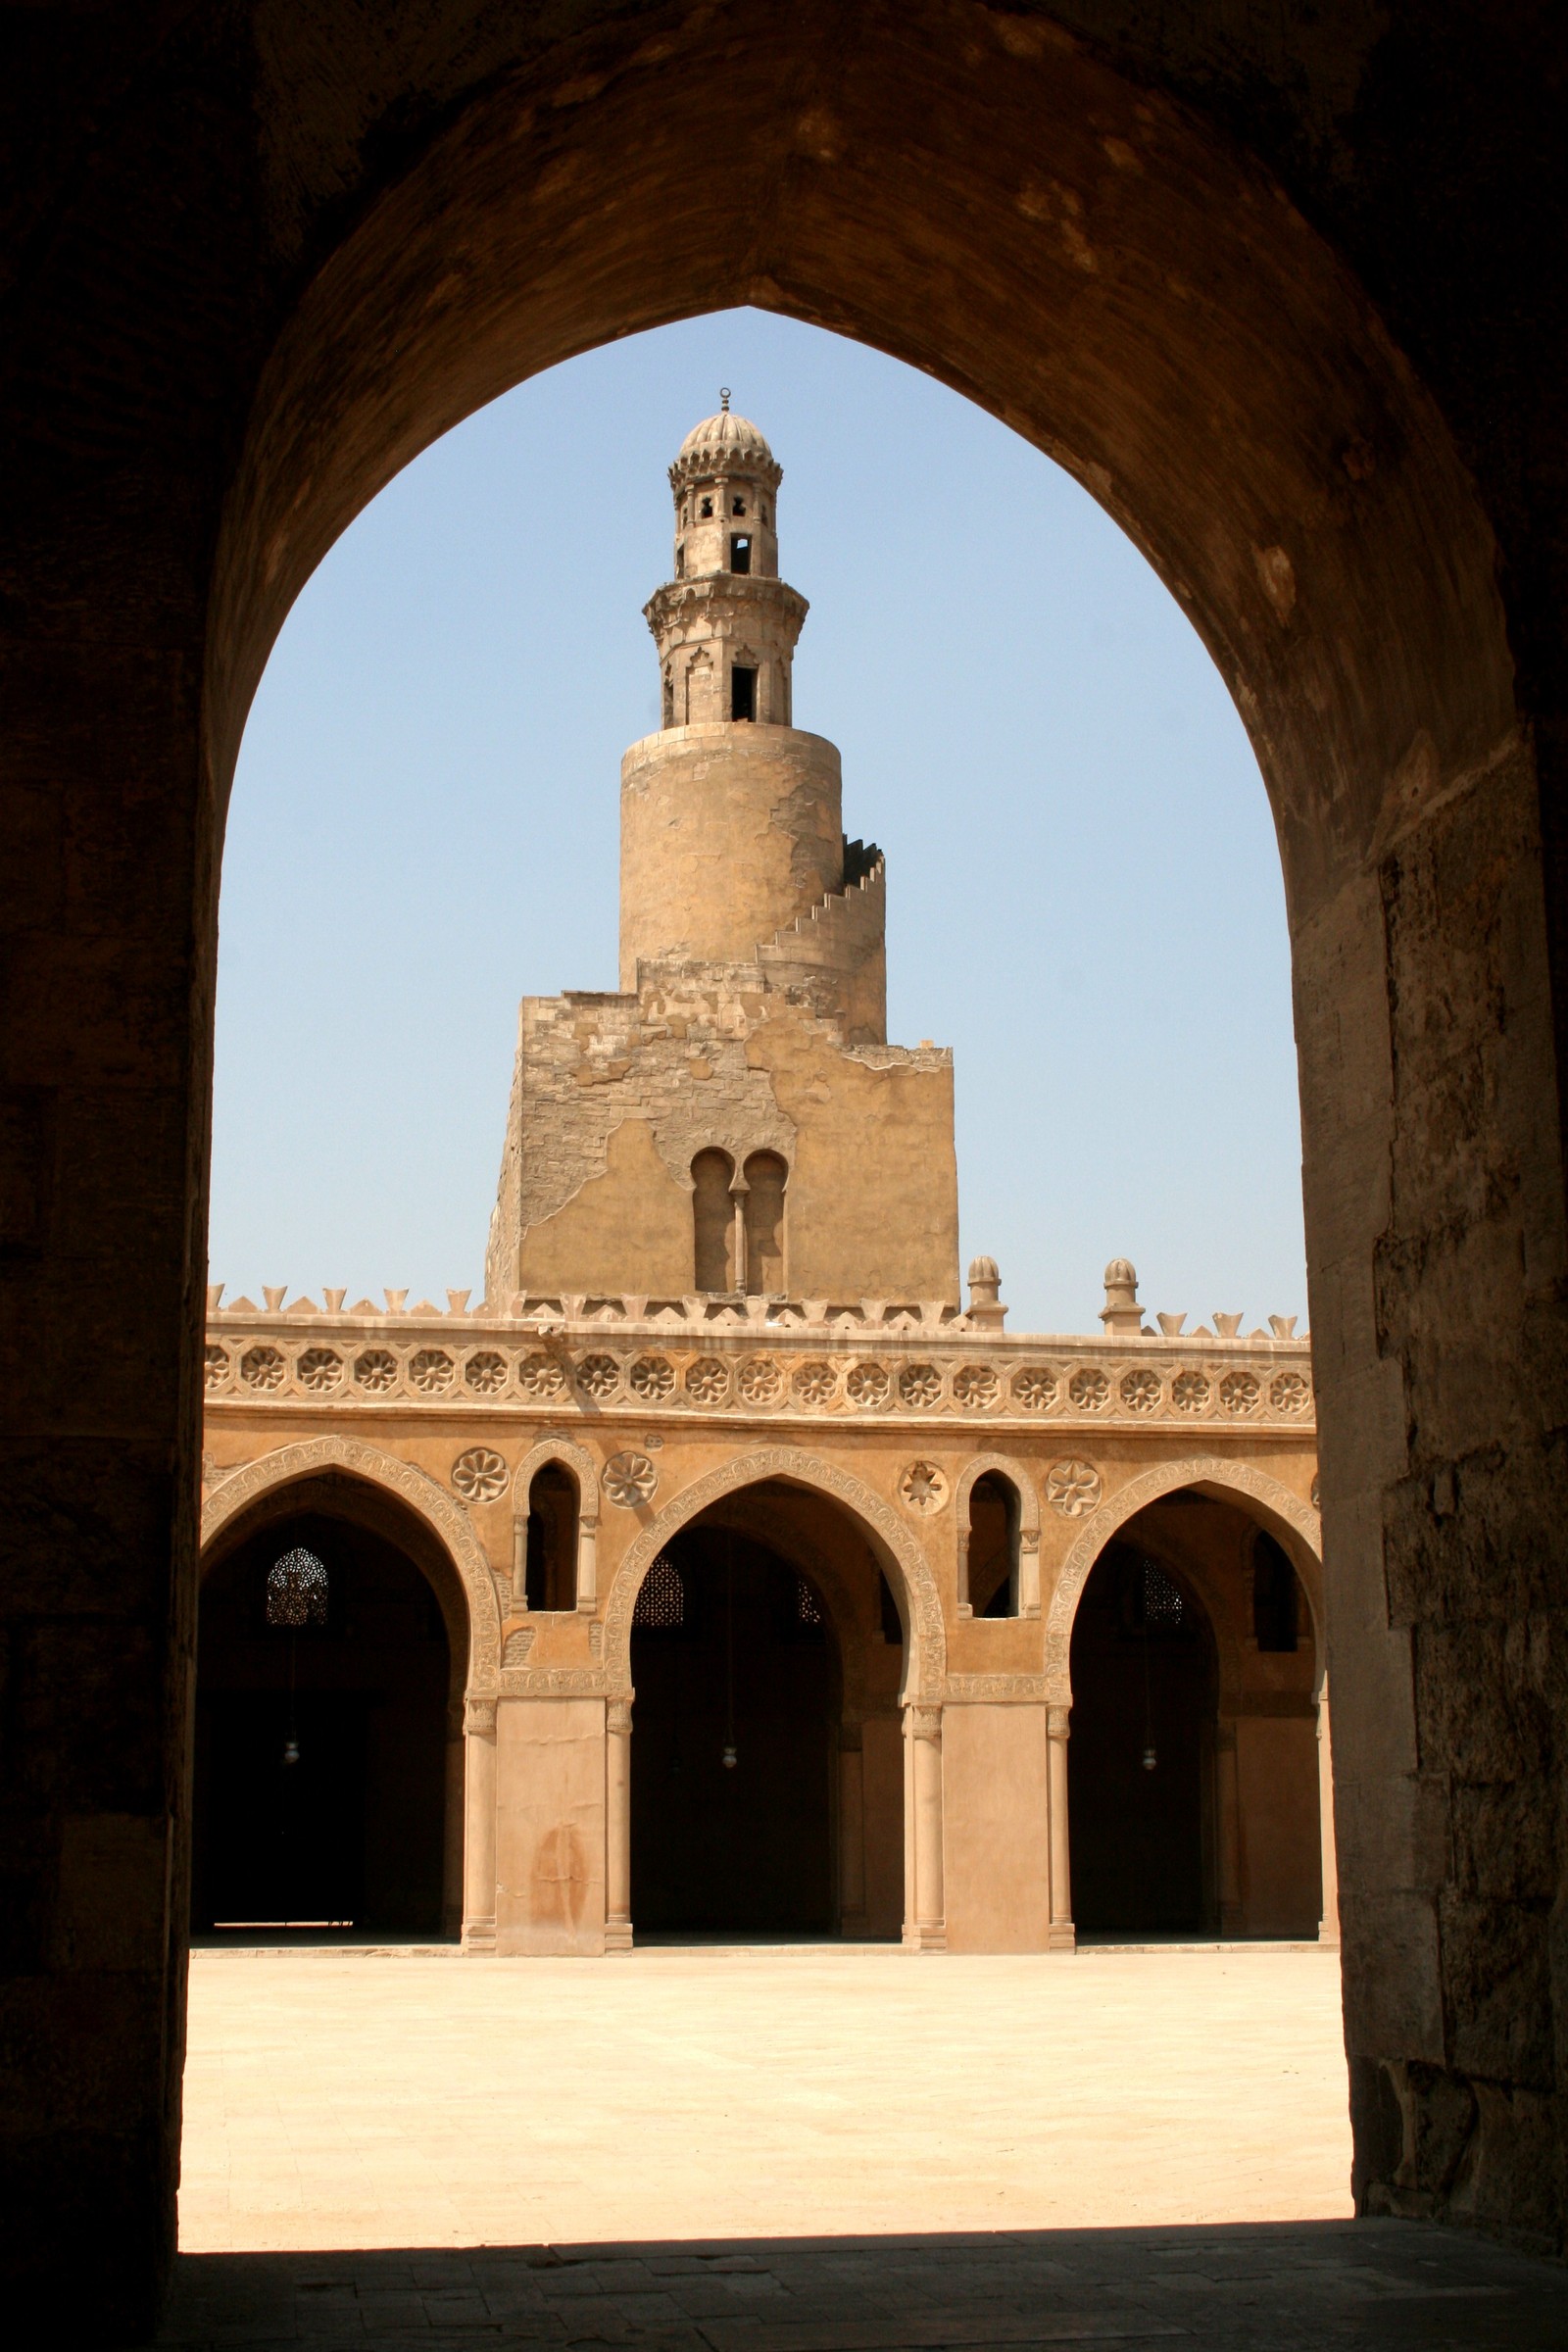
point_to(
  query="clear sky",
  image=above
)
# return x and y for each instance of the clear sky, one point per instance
(1084, 895)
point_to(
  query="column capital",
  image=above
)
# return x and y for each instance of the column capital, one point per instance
(480, 1718)
(617, 1718)
(1059, 1722)
(925, 1721)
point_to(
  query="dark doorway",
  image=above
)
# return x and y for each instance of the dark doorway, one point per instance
(732, 1655)
(321, 1735)
(1139, 1759)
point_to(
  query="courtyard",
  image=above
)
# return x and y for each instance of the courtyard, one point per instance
(361, 2099)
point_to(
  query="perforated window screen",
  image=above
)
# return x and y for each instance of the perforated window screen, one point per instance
(297, 1589)
(662, 1601)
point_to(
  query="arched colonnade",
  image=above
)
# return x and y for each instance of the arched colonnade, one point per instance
(268, 1485)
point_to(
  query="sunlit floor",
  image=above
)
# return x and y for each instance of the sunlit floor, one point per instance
(367, 2101)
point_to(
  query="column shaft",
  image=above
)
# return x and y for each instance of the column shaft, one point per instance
(1328, 1925)
(1062, 1935)
(617, 1825)
(479, 1814)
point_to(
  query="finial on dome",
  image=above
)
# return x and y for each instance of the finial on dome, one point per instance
(724, 400)
(1121, 1311)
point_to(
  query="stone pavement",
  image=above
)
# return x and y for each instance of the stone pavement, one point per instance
(797, 2151)
(354, 2100)
(1304, 2286)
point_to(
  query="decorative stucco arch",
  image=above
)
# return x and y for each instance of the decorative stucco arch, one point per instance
(444, 1516)
(925, 1655)
(1018, 1478)
(585, 1470)
(1267, 1494)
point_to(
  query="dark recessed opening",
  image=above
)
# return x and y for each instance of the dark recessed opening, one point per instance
(739, 552)
(739, 508)
(743, 693)
(707, 507)
(1275, 1617)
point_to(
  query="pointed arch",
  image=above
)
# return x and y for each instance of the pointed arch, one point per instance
(1018, 1478)
(441, 1513)
(585, 1470)
(1268, 1496)
(925, 1652)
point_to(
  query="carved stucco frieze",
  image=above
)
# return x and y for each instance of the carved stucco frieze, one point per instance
(442, 1512)
(1117, 1509)
(1019, 1689)
(552, 1681)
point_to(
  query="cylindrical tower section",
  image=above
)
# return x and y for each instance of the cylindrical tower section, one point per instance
(728, 835)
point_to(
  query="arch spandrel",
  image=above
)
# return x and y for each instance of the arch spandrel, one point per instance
(1226, 1479)
(925, 1667)
(442, 1513)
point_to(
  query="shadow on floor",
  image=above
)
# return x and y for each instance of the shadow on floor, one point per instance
(1243, 2288)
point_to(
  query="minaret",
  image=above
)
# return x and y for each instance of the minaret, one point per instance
(730, 817)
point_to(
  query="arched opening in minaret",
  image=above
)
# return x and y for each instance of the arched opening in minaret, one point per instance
(713, 1221)
(766, 1177)
(329, 1757)
(1193, 1760)
(766, 1760)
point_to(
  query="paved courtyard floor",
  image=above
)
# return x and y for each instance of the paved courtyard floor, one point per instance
(808, 2150)
(364, 2100)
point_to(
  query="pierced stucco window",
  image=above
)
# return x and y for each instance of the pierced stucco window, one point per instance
(297, 1590)
(552, 1539)
(993, 1546)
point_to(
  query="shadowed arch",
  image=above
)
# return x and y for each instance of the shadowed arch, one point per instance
(1267, 1498)
(442, 1514)
(925, 1652)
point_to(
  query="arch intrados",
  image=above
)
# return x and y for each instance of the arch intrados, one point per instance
(355, 1501)
(1146, 309)
(752, 1519)
(1221, 1651)
(361, 1484)
(1240, 1484)
(892, 1545)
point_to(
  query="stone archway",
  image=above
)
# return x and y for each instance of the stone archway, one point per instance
(1128, 245)
(1262, 1493)
(925, 1660)
(1273, 1505)
(272, 1473)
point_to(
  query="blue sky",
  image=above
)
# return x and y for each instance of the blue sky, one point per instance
(1084, 895)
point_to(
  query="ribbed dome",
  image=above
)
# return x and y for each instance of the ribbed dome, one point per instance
(726, 435)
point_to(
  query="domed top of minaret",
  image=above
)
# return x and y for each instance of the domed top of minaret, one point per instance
(725, 443)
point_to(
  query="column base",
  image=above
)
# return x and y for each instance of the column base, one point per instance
(924, 1937)
(618, 1936)
(479, 1935)
(1061, 1936)
(1328, 1937)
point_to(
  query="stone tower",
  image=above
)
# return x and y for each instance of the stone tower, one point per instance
(733, 1121)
